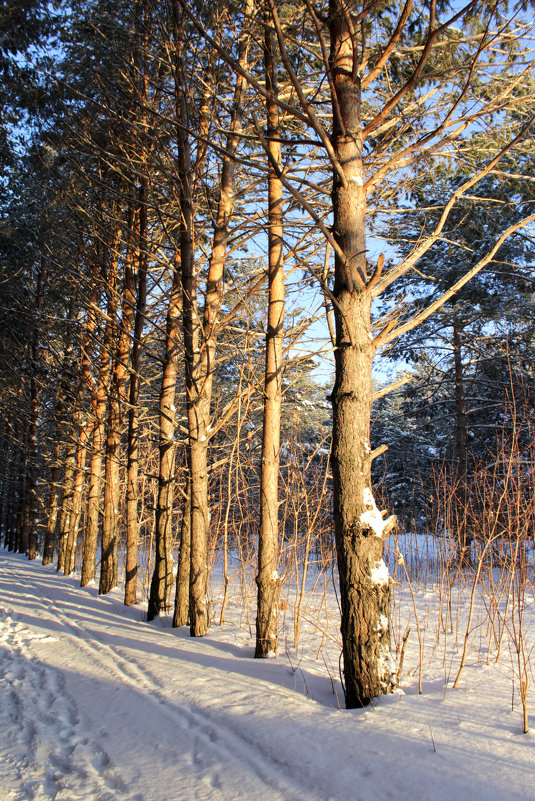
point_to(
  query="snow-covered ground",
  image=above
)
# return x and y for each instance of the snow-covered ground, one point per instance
(96, 704)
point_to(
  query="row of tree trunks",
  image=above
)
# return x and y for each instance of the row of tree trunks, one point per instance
(120, 353)
(200, 343)
(204, 366)
(130, 343)
(109, 393)
(363, 578)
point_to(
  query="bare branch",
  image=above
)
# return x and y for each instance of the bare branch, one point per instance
(391, 387)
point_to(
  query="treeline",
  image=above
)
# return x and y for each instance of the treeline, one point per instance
(174, 175)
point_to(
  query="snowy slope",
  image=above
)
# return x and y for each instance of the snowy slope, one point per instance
(96, 704)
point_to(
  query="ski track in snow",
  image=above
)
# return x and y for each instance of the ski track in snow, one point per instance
(49, 754)
(61, 763)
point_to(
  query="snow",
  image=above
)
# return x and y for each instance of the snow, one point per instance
(98, 705)
(372, 517)
(382, 623)
(379, 573)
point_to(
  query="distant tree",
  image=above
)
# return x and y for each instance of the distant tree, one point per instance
(26, 26)
(457, 397)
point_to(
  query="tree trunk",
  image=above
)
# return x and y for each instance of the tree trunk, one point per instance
(16, 488)
(30, 516)
(132, 467)
(464, 538)
(267, 580)
(20, 545)
(5, 486)
(99, 403)
(117, 401)
(110, 513)
(67, 499)
(200, 343)
(25, 502)
(30, 512)
(163, 574)
(10, 485)
(11, 523)
(54, 497)
(76, 514)
(198, 612)
(181, 614)
(364, 580)
(51, 529)
(191, 328)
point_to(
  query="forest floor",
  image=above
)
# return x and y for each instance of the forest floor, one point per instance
(96, 704)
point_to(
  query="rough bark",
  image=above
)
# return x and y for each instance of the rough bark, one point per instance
(267, 579)
(17, 489)
(10, 496)
(93, 495)
(181, 613)
(198, 612)
(364, 580)
(30, 514)
(6, 488)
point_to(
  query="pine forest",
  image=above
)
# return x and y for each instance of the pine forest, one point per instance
(267, 373)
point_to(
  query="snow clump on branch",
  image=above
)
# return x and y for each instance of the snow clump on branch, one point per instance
(372, 518)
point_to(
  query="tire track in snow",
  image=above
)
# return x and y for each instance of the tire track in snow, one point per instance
(214, 745)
